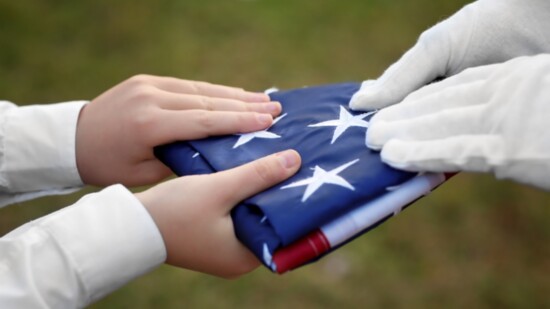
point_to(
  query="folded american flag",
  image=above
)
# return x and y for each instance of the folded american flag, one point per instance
(342, 189)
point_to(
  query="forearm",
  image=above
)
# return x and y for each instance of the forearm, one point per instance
(79, 254)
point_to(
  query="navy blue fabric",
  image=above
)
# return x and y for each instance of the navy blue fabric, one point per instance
(279, 216)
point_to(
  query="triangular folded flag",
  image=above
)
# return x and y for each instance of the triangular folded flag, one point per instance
(342, 189)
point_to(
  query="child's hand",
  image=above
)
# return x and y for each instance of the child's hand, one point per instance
(193, 214)
(118, 130)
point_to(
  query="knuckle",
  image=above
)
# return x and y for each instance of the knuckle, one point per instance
(430, 34)
(206, 122)
(140, 79)
(143, 121)
(144, 93)
(199, 87)
(206, 103)
(265, 171)
(194, 88)
(241, 106)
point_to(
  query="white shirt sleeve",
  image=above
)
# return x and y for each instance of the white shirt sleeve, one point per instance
(76, 255)
(79, 254)
(37, 150)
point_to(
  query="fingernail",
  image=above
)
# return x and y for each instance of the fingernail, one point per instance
(264, 119)
(273, 107)
(288, 158)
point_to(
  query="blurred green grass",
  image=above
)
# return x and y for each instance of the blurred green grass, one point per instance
(475, 242)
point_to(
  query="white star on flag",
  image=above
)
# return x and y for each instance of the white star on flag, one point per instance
(247, 137)
(345, 121)
(320, 177)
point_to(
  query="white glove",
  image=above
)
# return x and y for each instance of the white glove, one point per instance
(484, 32)
(492, 118)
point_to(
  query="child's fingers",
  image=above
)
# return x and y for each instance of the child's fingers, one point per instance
(249, 179)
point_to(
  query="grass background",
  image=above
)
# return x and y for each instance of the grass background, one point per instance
(476, 242)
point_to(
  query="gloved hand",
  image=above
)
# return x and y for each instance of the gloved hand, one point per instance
(492, 118)
(484, 32)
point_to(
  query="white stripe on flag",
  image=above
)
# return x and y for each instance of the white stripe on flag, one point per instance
(348, 225)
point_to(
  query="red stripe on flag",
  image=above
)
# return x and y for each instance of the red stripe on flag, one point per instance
(301, 251)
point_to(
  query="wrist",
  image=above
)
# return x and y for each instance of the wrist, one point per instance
(82, 154)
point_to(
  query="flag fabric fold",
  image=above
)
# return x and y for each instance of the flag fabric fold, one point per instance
(342, 189)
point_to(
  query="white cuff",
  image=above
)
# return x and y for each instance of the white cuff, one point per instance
(39, 147)
(110, 237)
(80, 253)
